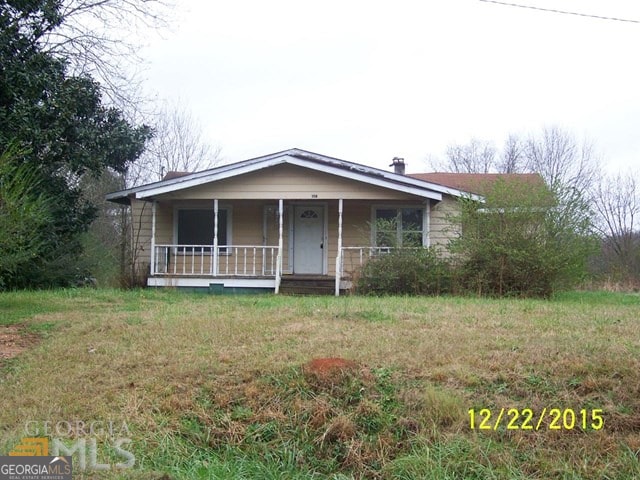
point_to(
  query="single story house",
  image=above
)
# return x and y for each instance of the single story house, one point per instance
(289, 215)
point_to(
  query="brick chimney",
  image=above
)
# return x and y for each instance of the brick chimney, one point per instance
(398, 165)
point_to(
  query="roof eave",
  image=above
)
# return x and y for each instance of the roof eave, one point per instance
(194, 181)
(336, 167)
(121, 197)
(302, 158)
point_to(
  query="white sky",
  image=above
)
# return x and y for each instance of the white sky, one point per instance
(369, 80)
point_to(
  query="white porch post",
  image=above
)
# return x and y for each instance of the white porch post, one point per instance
(152, 267)
(280, 244)
(339, 256)
(215, 238)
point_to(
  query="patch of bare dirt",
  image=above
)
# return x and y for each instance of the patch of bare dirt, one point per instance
(323, 373)
(327, 367)
(14, 340)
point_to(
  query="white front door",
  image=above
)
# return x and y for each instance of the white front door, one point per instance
(308, 239)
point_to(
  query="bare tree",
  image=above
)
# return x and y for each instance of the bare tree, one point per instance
(178, 145)
(477, 156)
(617, 205)
(102, 38)
(555, 154)
(512, 156)
(563, 162)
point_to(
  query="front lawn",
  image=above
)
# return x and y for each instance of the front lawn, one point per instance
(197, 386)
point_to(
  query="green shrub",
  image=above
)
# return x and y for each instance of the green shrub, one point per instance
(523, 240)
(405, 272)
(25, 217)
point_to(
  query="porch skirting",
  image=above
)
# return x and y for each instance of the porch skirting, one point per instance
(223, 285)
(205, 282)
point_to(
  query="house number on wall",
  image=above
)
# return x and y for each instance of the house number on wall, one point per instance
(314, 195)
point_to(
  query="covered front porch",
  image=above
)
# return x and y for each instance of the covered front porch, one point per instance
(232, 245)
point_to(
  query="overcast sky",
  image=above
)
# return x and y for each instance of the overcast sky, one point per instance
(366, 80)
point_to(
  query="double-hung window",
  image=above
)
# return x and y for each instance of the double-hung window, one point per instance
(398, 226)
(195, 226)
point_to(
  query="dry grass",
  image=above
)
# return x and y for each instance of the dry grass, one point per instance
(216, 371)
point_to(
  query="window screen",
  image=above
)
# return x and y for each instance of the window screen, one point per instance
(195, 227)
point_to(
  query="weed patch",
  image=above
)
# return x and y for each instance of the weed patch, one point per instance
(334, 414)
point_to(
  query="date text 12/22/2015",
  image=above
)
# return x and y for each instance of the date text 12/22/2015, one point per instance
(527, 419)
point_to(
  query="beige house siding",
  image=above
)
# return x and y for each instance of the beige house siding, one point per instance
(441, 229)
(164, 224)
(288, 182)
(356, 218)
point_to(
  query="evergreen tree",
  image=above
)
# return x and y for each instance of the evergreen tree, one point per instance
(64, 132)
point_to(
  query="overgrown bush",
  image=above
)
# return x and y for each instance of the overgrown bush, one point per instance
(521, 241)
(419, 271)
(524, 239)
(25, 217)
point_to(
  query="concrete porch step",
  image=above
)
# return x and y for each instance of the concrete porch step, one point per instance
(307, 285)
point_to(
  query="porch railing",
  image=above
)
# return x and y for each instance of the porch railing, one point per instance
(216, 261)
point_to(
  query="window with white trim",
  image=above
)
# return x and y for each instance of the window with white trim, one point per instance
(195, 226)
(398, 226)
